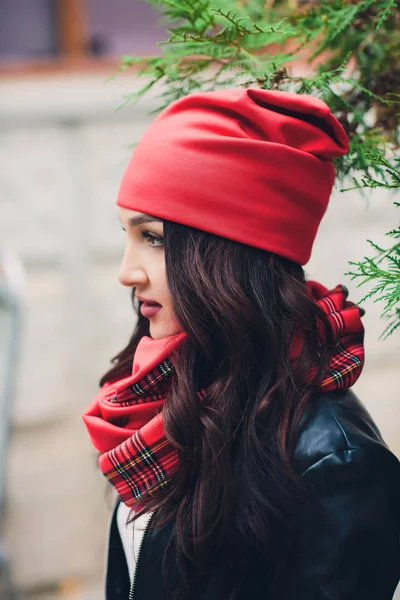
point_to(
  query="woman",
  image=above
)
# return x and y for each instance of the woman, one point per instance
(244, 465)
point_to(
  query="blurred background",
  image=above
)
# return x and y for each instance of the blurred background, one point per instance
(64, 146)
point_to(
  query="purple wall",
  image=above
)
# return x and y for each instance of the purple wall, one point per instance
(26, 28)
(126, 26)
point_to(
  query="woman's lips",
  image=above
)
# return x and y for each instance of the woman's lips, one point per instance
(149, 310)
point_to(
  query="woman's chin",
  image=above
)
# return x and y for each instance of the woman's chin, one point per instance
(158, 330)
(161, 330)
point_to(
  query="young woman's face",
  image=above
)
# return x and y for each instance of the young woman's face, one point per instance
(143, 267)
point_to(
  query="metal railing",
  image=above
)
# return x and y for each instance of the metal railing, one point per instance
(11, 298)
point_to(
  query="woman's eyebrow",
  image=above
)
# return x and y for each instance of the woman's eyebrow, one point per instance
(133, 221)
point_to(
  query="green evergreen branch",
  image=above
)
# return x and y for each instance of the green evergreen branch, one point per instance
(386, 287)
(386, 8)
(387, 280)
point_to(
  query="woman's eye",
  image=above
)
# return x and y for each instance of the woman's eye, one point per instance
(155, 240)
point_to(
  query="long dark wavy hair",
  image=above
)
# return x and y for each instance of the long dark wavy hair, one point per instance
(235, 497)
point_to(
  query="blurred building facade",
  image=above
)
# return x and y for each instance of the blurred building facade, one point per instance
(40, 30)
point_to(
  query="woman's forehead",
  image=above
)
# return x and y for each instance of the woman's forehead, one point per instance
(133, 217)
(127, 213)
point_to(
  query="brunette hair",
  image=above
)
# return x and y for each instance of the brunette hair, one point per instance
(236, 493)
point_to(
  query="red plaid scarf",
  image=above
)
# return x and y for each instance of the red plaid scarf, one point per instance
(125, 421)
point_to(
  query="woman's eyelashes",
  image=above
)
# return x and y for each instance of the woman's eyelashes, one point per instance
(155, 241)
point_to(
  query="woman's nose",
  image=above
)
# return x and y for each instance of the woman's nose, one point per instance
(130, 273)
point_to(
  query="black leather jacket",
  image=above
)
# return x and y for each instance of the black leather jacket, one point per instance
(349, 546)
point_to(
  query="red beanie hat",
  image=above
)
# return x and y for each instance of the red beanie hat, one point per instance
(249, 165)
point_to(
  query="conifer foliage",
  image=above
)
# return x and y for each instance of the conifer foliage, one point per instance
(352, 50)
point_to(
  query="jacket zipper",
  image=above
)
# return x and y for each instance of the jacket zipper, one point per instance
(106, 554)
(136, 566)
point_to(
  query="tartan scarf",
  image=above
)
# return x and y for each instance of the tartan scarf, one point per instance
(125, 421)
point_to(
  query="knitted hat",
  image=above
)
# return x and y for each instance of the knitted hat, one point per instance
(249, 165)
